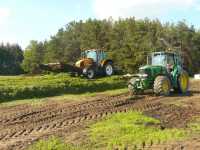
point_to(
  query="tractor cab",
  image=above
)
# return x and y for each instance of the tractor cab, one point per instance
(165, 59)
(96, 55)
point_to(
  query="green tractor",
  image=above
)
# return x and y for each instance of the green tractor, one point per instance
(163, 72)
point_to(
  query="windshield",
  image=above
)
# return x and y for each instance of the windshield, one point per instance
(161, 59)
(91, 54)
(158, 59)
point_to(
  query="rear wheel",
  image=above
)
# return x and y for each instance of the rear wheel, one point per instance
(108, 69)
(183, 82)
(162, 86)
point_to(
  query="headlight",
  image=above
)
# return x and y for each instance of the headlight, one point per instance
(144, 75)
(85, 71)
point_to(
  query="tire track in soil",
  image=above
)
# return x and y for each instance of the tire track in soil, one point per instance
(45, 112)
(33, 123)
(52, 111)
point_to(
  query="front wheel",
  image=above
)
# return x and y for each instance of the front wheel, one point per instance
(89, 73)
(162, 86)
(131, 87)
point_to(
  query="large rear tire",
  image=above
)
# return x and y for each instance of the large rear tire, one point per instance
(183, 82)
(162, 86)
(108, 69)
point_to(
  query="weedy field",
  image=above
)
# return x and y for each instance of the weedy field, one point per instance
(99, 116)
(131, 130)
(24, 87)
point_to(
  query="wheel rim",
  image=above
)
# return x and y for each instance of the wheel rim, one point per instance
(183, 82)
(109, 70)
(165, 87)
(90, 74)
(130, 87)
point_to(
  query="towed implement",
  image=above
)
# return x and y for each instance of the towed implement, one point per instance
(164, 72)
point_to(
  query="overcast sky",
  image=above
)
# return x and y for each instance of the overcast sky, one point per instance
(25, 20)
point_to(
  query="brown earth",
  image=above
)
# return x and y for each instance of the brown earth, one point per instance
(21, 125)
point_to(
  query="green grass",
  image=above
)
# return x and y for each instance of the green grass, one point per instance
(124, 129)
(118, 131)
(195, 125)
(52, 144)
(25, 87)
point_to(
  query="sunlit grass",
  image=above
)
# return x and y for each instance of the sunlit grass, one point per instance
(195, 125)
(52, 143)
(123, 129)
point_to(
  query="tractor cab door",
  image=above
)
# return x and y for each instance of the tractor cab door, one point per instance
(100, 56)
(174, 60)
(178, 60)
(83, 54)
(170, 62)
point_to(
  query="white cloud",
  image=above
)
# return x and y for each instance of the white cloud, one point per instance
(4, 14)
(139, 8)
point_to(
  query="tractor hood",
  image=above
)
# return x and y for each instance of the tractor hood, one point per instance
(84, 62)
(78, 63)
(150, 67)
(152, 70)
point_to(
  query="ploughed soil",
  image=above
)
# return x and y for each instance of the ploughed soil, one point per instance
(22, 125)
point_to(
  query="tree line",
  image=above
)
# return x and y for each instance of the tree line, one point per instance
(11, 57)
(127, 42)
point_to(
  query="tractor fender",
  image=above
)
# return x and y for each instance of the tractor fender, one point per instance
(79, 63)
(104, 62)
(177, 70)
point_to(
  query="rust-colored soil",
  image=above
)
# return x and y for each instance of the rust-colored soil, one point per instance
(22, 125)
